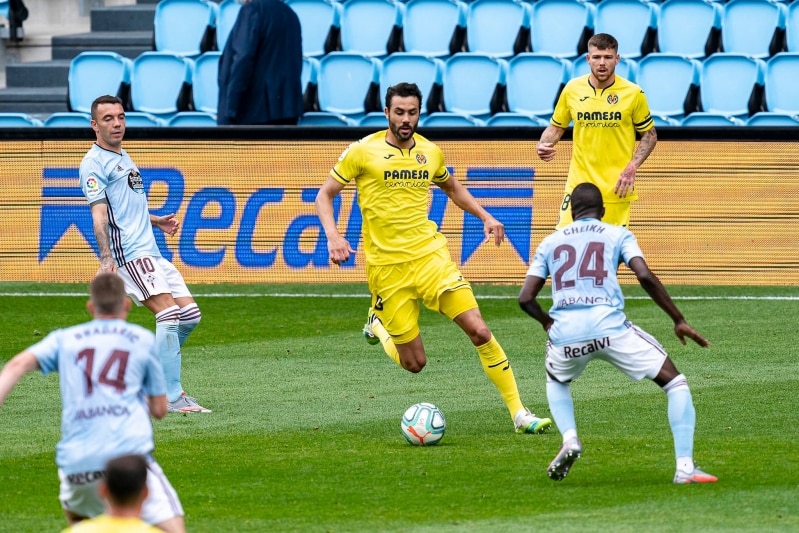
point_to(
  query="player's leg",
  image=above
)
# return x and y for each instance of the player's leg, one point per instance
(561, 371)
(400, 335)
(389, 286)
(162, 508)
(189, 311)
(639, 355)
(565, 214)
(80, 500)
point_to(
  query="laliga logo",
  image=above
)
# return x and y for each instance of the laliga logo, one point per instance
(421, 159)
(613, 99)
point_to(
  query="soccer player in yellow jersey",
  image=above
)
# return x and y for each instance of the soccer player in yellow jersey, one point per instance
(607, 112)
(406, 256)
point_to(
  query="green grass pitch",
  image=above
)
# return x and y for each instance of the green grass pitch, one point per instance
(305, 434)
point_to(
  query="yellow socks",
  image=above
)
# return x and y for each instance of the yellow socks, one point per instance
(386, 340)
(497, 368)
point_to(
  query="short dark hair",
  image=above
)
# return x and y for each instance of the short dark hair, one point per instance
(586, 197)
(402, 90)
(603, 41)
(126, 477)
(105, 99)
(107, 293)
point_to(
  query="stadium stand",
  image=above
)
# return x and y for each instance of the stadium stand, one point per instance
(632, 22)
(372, 27)
(375, 119)
(140, 119)
(18, 120)
(534, 83)
(192, 119)
(228, 11)
(508, 118)
(205, 85)
(475, 84)
(753, 27)
(94, 73)
(425, 71)
(671, 83)
(309, 79)
(689, 27)
(160, 83)
(773, 118)
(324, 118)
(68, 119)
(711, 119)
(792, 27)
(500, 28)
(321, 25)
(562, 27)
(447, 119)
(349, 83)
(185, 27)
(781, 81)
(627, 68)
(732, 84)
(435, 27)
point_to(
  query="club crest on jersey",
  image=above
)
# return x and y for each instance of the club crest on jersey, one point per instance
(135, 182)
(613, 99)
(421, 159)
(151, 280)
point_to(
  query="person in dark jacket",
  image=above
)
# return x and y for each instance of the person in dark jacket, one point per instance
(261, 67)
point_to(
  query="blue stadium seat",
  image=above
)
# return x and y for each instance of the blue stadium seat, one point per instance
(425, 71)
(632, 22)
(475, 84)
(627, 68)
(711, 119)
(324, 118)
(320, 21)
(562, 27)
(228, 12)
(309, 80)
(732, 84)
(374, 119)
(435, 27)
(18, 120)
(185, 27)
(661, 121)
(69, 119)
(792, 27)
(4, 9)
(205, 82)
(448, 119)
(507, 118)
(671, 83)
(773, 118)
(498, 27)
(782, 80)
(160, 83)
(349, 84)
(92, 74)
(690, 27)
(140, 119)
(753, 27)
(372, 27)
(192, 119)
(535, 82)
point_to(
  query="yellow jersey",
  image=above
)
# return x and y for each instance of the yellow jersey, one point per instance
(393, 193)
(605, 123)
(112, 524)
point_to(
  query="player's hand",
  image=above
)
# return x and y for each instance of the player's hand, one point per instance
(107, 266)
(169, 224)
(683, 330)
(495, 228)
(626, 181)
(339, 250)
(546, 151)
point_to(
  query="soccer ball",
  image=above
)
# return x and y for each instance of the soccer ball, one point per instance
(423, 424)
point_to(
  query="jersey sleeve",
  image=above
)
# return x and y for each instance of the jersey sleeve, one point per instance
(562, 115)
(93, 180)
(442, 172)
(46, 352)
(630, 248)
(642, 117)
(539, 267)
(349, 165)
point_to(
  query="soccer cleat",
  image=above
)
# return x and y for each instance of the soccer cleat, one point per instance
(568, 454)
(185, 404)
(697, 476)
(527, 422)
(368, 334)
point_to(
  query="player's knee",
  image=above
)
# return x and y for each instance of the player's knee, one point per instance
(480, 334)
(414, 364)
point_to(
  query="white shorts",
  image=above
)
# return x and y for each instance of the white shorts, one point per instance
(147, 276)
(78, 494)
(634, 352)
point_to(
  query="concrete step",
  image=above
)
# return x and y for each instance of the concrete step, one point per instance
(127, 43)
(137, 17)
(33, 100)
(38, 74)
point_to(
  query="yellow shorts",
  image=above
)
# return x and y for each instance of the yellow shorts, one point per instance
(617, 213)
(434, 279)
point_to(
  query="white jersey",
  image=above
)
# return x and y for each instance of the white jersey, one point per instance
(582, 259)
(107, 175)
(105, 367)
